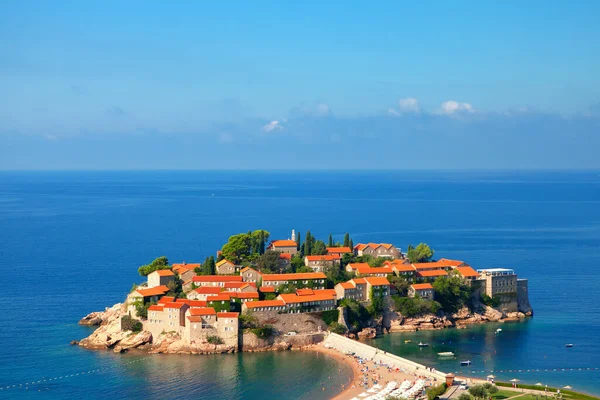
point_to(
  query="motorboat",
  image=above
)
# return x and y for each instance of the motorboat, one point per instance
(446, 354)
(569, 345)
(467, 362)
(421, 344)
(498, 330)
(407, 341)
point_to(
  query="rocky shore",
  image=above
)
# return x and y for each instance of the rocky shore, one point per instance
(109, 336)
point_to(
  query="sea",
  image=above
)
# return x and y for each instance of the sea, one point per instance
(71, 243)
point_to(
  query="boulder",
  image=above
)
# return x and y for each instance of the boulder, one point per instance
(367, 333)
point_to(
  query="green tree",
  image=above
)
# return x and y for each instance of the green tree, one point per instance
(478, 391)
(351, 244)
(308, 244)
(298, 242)
(318, 248)
(376, 306)
(452, 293)
(464, 396)
(400, 283)
(347, 240)
(330, 241)
(335, 275)
(209, 267)
(158, 263)
(377, 262)
(347, 258)
(420, 254)
(297, 262)
(268, 262)
(259, 240)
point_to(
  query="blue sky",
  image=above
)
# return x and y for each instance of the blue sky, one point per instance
(120, 85)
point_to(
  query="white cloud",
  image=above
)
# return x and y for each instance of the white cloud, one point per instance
(451, 107)
(409, 105)
(272, 126)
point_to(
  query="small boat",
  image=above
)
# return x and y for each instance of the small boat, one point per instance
(421, 344)
(446, 354)
(498, 330)
(467, 362)
(569, 345)
(407, 341)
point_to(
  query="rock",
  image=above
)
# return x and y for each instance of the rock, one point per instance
(367, 333)
(74, 342)
(119, 349)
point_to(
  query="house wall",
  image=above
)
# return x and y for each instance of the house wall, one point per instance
(226, 269)
(155, 280)
(227, 329)
(250, 276)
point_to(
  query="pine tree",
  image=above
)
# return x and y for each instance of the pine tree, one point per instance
(347, 240)
(307, 244)
(298, 241)
(330, 243)
(351, 244)
(209, 267)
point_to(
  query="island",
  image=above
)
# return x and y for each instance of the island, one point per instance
(261, 295)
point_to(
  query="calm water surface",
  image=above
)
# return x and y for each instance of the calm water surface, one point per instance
(70, 243)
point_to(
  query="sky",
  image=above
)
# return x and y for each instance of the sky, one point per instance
(299, 85)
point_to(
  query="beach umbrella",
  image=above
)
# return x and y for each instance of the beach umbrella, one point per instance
(539, 384)
(515, 380)
(567, 387)
(491, 376)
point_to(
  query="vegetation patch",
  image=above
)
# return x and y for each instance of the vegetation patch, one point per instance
(214, 340)
(413, 306)
(435, 392)
(330, 316)
(130, 324)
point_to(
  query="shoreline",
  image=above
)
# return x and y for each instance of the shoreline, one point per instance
(355, 379)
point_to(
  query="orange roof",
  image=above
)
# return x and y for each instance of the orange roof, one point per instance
(224, 261)
(238, 285)
(400, 267)
(217, 278)
(185, 266)
(228, 315)
(196, 303)
(285, 256)
(467, 272)
(421, 286)
(318, 295)
(283, 243)
(219, 297)
(339, 250)
(431, 265)
(166, 299)
(249, 269)
(155, 307)
(347, 285)
(453, 263)
(164, 272)
(326, 257)
(439, 272)
(359, 280)
(208, 290)
(155, 291)
(202, 311)
(358, 265)
(304, 292)
(265, 303)
(240, 295)
(174, 305)
(377, 281)
(194, 318)
(372, 270)
(267, 289)
(293, 277)
(362, 246)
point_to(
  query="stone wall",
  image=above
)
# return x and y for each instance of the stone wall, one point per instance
(523, 297)
(299, 323)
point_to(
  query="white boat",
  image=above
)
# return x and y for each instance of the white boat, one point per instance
(569, 345)
(467, 362)
(498, 330)
(421, 344)
(446, 354)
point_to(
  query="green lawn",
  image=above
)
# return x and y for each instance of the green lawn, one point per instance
(503, 394)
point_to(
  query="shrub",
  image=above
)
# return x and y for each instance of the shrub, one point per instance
(263, 332)
(214, 340)
(248, 320)
(130, 324)
(490, 301)
(478, 391)
(464, 396)
(436, 391)
(411, 306)
(330, 316)
(337, 328)
(491, 388)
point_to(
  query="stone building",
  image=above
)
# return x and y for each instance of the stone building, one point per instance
(377, 250)
(160, 277)
(500, 283)
(226, 267)
(423, 290)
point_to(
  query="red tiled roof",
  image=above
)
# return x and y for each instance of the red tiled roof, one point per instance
(196, 303)
(238, 285)
(431, 265)
(318, 295)
(202, 311)
(362, 246)
(219, 297)
(377, 281)
(285, 256)
(372, 270)
(326, 257)
(155, 291)
(453, 263)
(347, 285)
(164, 272)
(339, 250)
(217, 278)
(208, 290)
(228, 315)
(155, 307)
(224, 261)
(293, 277)
(265, 303)
(180, 268)
(467, 272)
(194, 318)
(166, 299)
(401, 267)
(248, 269)
(359, 280)
(240, 295)
(304, 292)
(283, 243)
(421, 286)
(267, 289)
(174, 305)
(438, 272)
(358, 265)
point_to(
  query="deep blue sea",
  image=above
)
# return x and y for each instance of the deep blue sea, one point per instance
(71, 242)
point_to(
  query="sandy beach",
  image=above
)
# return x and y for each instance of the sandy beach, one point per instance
(367, 371)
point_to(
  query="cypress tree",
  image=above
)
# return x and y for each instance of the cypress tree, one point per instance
(307, 243)
(347, 240)
(298, 241)
(351, 245)
(330, 243)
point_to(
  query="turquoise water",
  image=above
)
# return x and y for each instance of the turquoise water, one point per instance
(71, 242)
